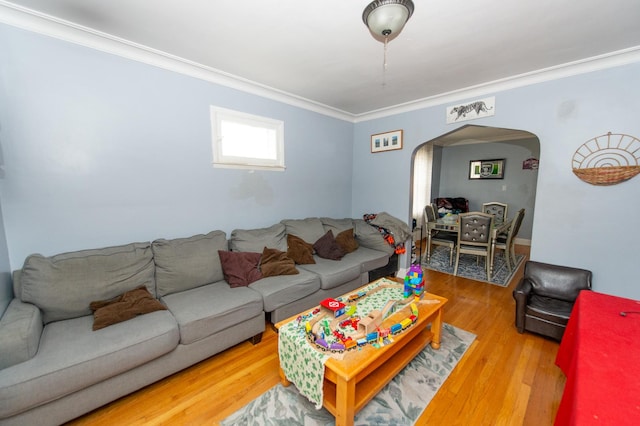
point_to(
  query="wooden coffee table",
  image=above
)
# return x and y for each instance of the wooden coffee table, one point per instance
(350, 383)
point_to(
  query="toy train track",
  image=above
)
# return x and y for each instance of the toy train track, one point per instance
(327, 334)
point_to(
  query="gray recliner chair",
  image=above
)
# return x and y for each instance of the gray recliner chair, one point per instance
(545, 297)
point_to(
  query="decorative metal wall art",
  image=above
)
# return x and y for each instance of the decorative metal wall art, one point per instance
(607, 159)
(474, 109)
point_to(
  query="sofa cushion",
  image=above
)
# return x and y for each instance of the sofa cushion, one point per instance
(62, 286)
(254, 240)
(282, 290)
(128, 305)
(368, 236)
(275, 262)
(299, 250)
(368, 259)
(350, 267)
(72, 357)
(336, 225)
(20, 330)
(333, 274)
(240, 268)
(327, 247)
(185, 263)
(347, 241)
(206, 310)
(309, 229)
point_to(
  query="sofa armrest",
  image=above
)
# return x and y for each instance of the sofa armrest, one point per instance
(20, 331)
(521, 295)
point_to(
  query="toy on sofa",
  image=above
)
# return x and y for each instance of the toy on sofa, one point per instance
(413, 282)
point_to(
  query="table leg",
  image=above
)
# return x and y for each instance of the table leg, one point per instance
(345, 401)
(283, 378)
(436, 329)
(428, 249)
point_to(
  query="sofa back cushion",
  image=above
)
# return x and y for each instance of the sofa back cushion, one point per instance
(186, 263)
(309, 229)
(64, 285)
(336, 225)
(255, 240)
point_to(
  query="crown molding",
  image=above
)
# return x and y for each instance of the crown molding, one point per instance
(583, 66)
(48, 25)
(37, 22)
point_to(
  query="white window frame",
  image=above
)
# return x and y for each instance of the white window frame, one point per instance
(219, 115)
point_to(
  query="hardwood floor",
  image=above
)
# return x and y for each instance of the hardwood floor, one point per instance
(505, 378)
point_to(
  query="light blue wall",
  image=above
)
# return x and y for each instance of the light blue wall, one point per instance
(6, 292)
(436, 172)
(517, 189)
(100, 150)
(575, 223)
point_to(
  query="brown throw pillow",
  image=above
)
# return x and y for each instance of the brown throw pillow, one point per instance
(347, 241)
(275, 262)
(124, 307)
(240, 268)
(328, 248)
(299, 250)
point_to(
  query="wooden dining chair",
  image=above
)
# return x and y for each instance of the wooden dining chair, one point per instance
(499, 210)
(507, 242)
(439, 238)
(474, 237)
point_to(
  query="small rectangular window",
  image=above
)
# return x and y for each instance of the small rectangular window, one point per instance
(246, 141)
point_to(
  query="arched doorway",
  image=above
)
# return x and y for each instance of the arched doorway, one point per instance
(440, 168)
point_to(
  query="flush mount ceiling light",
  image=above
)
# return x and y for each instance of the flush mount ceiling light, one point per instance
(385, 19)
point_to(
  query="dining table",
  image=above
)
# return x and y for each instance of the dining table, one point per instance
(451, 224)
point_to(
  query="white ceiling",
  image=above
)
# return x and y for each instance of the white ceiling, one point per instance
(321, 52)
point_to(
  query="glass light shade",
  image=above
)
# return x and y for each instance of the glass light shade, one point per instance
(387, 18)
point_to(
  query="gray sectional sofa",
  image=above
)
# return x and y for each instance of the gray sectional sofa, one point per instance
(55, 367)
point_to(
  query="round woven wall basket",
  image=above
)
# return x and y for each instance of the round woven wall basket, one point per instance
(607, 159)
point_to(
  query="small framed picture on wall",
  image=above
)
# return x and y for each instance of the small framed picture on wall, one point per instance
(386, 141)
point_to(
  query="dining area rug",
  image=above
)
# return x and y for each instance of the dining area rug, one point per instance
(400, 402)
(469, 268)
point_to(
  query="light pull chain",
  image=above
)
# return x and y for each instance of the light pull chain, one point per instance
(384, 63)
(386, 41)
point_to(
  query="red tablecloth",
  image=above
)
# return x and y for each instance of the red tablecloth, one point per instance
(600, 355)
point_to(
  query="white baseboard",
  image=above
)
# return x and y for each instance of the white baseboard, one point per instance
(523, 242)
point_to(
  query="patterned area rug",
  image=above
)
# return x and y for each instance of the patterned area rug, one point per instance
(469, 269)
(399, 403)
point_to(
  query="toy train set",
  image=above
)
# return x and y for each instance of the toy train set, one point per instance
(334, 326)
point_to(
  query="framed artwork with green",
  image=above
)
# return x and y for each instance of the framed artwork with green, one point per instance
(486, 169)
